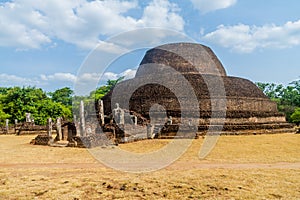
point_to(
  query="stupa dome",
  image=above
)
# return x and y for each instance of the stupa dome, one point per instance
(183, 57)
(246, 105)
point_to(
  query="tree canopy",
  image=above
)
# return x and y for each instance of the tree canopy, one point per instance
(63, 95)
(16, 101)
(295, 117)
(287, 97)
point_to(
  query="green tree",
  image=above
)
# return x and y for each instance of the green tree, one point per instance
(3, 115)
(4, 90)
(103, 90)
(287, 98)
(63, 95)
(19, 101)
(295, 117)
(48, 108)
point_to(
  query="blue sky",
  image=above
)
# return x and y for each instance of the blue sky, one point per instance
(45, 42)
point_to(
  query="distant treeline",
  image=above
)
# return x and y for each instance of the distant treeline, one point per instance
(286, 97)
(16, 101)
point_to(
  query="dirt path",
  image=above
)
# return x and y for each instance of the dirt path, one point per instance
(281, 165)
(175, 166)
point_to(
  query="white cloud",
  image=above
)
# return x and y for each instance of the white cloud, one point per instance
(109, 76)
(211, 5)
(18, 27)
(244, 38)
(162, 13)
(8, 80)
(34, 23)
(128, 74)
(110, 48)
(71, 78)
(67, 77)
(86, 82)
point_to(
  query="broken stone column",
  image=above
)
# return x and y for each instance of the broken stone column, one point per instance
(170, 120)
(82, 119)
(70, 134)
(6, 125)
(76, 125)
(16, 124)
(135, 120)
(101, 112)
(28, 117)
(49, 127)
(119, 115)
(58, 129)
(65, 132)
(149, 131)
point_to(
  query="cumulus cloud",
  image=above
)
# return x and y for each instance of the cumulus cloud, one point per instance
(127, 74)
(85, 83)
(245, 39)
(58, 80)
(110, 47)
(83, 78)
(8, 80)
(34, 23)
(161, 13)
(68, 77)
(211, 5)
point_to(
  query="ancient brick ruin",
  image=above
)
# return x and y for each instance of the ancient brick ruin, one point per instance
(247, 109)
(159, 102)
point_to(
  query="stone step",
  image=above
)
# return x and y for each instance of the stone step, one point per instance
(59, 144)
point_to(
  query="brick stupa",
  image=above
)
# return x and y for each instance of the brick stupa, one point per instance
(247, 110)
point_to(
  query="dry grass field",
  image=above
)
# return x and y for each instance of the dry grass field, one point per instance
(239, 167)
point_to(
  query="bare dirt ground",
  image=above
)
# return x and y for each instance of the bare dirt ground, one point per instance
(239, 167)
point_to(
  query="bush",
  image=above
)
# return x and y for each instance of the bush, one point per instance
(295, 117)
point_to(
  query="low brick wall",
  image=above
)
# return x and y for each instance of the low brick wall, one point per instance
(42, 140)
(90, 141)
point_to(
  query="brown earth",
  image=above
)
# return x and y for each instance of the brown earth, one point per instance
(239, 167)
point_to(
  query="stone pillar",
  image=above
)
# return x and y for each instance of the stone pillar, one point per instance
(135, 120)
(6, 125)
(119, 115)
(75, 119)
(190, 122)
(65, 132)
(49, 127)
(82, 119)
(76, 125)
(16, 124)
(170, 120)
(58, 129)
(70, 134)
(101, 112)
(28, 117)
(149, 131)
